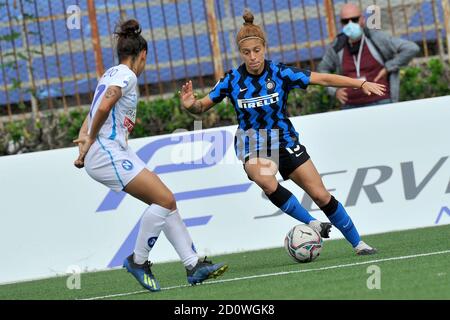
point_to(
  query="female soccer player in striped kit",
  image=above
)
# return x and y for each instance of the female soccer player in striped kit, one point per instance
(104, 152)
(258, 90)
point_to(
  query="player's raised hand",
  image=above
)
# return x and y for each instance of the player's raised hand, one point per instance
(84, 143)
(187, 95)
(372, 87)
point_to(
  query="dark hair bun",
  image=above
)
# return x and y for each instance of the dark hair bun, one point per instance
(129, 28)
(248, 17)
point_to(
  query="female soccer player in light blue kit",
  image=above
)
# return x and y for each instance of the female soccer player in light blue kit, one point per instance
(104, 152)
(258, 90)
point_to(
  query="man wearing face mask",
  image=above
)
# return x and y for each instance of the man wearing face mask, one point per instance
(367, 54)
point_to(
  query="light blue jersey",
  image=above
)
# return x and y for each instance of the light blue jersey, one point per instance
(122, 117)
(109, 160)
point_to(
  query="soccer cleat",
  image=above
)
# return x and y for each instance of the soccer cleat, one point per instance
(142, 273)
(363, 249)
(205, 270)
(323, 228)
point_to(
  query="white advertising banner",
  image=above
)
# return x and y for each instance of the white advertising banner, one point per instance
(389, 165)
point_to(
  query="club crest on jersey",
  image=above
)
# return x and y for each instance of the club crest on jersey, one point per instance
(259, 101)
(127, 165)
(270, 85)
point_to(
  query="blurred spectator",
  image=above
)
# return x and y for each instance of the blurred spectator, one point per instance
(369, 54)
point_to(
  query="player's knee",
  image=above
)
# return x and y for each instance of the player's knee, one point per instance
(321, 198)
(168, 202)
(269, 186)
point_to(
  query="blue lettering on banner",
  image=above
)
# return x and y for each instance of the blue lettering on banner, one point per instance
(113, 199)
(443, 210)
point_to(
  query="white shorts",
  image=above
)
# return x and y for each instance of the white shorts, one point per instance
(112, 165)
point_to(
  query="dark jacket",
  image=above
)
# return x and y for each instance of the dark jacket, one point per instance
(392, 52)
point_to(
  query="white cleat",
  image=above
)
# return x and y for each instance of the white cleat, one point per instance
(323, 228)
(363, 249)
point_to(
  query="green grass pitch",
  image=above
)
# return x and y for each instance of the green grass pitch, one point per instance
(413, 264)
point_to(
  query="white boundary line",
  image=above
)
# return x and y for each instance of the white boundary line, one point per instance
(281, 273)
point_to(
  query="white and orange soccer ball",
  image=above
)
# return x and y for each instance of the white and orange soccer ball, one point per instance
(303, 243)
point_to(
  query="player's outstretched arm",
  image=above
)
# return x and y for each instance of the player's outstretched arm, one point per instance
(191, 103)
(334, 80)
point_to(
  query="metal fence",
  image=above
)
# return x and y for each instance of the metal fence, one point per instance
(49, 61)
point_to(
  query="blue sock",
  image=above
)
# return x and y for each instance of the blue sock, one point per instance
(341, 220)
(293, 208)
(289, 204)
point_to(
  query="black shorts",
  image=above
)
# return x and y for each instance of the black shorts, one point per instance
(288, 160)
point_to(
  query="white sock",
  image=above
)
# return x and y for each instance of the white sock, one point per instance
(152, 222)
(178, 235)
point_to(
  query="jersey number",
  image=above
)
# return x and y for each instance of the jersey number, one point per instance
(100, 90)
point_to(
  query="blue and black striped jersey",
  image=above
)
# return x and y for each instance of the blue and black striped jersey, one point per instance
(260, 103)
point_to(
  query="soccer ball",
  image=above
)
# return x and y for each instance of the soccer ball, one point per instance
(303, 243)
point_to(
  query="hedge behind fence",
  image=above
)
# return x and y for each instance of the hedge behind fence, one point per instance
(57, 130)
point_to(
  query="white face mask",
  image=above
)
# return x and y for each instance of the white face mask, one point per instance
(352, 30)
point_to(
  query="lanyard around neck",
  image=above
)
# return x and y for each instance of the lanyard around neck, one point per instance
(358, 60)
